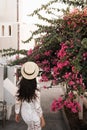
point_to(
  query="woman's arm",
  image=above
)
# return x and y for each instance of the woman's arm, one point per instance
(42, 120)
(17, 117)
(39, 109)
(17, 110)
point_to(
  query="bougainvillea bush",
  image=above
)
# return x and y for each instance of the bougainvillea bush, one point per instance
(71, 65)
(62, 56)
(65, 58)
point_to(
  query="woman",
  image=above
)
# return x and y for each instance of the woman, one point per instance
(28, 98)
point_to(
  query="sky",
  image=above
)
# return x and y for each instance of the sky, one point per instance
(28, 7)
(27, 22)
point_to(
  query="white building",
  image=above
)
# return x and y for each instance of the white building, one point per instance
(9, 27)
(9, 35)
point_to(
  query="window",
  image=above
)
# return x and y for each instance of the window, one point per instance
(3, 30)
(9, 30)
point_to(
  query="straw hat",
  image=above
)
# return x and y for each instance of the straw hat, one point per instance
(29, 70)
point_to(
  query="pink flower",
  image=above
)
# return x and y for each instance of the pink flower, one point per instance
(75, 11)
(70, 95)
(67, 75)
(73, 69)
(60, 65)
(54, 105)
(66, 63)
(73, 109)
(46, 69)
(29, 52)
(62, 51)
(37, 57)
(60, 106)
(68, 22)
(45, 87)
(48, 53)
(54, 82)
(74, 87)
(55, 69)
(81, 81)
(17, 57)
(60, 99)
(65, 103)
(44, 77)
(57, 104)
(85, 11)
(60, 103)
(74, 25)
(69, 104)
(54, 61)
(45, 62)
(78, 106)
(61, 54)
(85, 55)
(71, 82)
(77, 81)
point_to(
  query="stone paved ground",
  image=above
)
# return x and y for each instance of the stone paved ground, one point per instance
(54, 120)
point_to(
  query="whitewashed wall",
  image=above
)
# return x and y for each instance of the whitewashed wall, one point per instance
(8, 40)
(10, 89)
(1, 83)
(8, 10)
(11, 74)
(8, 17)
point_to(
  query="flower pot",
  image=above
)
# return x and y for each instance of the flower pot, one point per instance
(74, 122)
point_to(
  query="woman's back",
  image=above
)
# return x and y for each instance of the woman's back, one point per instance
(28, 98)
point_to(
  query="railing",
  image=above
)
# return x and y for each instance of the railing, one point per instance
(3, 112)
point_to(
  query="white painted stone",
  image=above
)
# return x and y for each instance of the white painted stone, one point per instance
(9, 91)
(9, 95)
(11, 73)
(1, 82)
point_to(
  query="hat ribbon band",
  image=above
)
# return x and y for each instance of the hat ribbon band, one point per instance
(28, 73)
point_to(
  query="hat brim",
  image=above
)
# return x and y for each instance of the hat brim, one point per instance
(34, 75)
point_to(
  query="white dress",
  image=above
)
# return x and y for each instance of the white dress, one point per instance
(30, 112)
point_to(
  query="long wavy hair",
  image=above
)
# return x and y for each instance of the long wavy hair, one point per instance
(26, 91)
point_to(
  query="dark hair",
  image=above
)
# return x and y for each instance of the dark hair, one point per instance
(26, 91)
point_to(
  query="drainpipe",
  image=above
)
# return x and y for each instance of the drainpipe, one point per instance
(18, 26)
